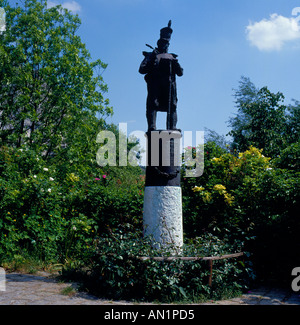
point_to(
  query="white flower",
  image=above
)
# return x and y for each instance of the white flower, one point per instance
(45, 169)
(74, 228)
(51, 179)
(34, 176)
(49, 190)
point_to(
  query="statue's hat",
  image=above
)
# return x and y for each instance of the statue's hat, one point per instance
(166, 32)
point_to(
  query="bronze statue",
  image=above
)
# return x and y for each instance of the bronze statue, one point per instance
(161, 69)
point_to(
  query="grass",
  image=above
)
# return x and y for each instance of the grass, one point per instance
(23, 265)
(68, 291)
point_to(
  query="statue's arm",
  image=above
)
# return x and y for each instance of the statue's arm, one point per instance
(144, 67)
(148, 63)
(177, 68)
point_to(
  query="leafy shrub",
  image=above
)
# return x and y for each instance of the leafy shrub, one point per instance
(117, 273)
(250, 197)
(116, 199)
(54, 211)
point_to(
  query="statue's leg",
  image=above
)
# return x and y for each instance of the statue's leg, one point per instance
(173, 119)
(151, 119)
(173, 108)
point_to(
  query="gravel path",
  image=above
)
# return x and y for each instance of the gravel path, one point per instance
(44, 289)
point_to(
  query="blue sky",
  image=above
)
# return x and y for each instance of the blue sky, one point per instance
(217, 41)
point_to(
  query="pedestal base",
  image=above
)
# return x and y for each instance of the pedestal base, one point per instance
(163, 217)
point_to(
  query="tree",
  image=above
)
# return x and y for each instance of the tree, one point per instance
(218, 139)
(51, 93)
(261, 121)
(293, 119)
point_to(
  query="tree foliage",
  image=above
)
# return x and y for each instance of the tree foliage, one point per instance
(52, 108)
(263, 120)
(51, 93)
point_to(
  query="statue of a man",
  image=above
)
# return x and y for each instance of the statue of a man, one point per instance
(161, 69)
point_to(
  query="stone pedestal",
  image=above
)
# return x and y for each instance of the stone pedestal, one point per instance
(163, 196)
(163, 216)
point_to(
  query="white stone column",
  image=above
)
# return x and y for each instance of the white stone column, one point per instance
(163, 217)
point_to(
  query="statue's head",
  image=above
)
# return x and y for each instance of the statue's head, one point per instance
(166, 32)
(163, 45)
(165, 37)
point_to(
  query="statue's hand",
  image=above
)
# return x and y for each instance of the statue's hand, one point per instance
(166, 56)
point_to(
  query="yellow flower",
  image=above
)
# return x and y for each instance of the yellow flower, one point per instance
(198, 189)
(228, 199)
(206, 197)
(215, 159)
(73, 178)
(220, 188)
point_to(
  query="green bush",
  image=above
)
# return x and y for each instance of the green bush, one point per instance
(250, 197)
(116, 199)
(115, 272)
(54, 211)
